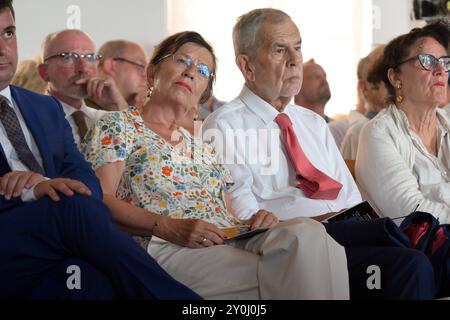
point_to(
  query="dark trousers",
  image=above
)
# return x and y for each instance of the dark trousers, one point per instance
(405, 273)
(41, 239)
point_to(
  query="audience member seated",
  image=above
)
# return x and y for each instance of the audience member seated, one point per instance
(51, 213)
(315, 94)
(339, 128)
(157, 180)
(315, 91)
(403, 162)
(27, 76)
(375, 94)
(70, 68)
(307, 176)
(359, 112)
(124, 62)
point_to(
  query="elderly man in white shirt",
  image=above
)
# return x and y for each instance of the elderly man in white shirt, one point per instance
(268, 53)
(272, 186)
(70, 68)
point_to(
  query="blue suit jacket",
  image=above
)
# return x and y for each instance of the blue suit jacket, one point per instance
(46, 121)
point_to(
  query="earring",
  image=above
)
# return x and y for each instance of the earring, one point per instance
(196, 113)
(149, 92)
(399, 98)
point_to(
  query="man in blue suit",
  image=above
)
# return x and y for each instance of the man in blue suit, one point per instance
(57, 239)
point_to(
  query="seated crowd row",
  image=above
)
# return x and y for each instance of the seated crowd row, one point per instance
(142, 205)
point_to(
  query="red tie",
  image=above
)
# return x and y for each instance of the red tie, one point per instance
(313, 182)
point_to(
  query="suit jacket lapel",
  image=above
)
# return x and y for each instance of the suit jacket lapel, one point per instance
(29, 112)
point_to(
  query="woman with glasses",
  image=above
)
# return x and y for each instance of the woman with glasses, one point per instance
(403, 160)
(168, 189)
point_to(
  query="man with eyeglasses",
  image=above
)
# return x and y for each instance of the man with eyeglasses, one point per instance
(124, 62)
(70, 69)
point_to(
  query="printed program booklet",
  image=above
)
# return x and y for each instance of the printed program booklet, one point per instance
(362, 210)
(241, 231)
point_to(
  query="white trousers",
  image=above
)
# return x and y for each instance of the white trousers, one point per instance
(296, 259)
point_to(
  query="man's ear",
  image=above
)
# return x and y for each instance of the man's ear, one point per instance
(108, 66)
(42, 69)
(245, 64)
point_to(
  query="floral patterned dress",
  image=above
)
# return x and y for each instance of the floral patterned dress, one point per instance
(158, 176)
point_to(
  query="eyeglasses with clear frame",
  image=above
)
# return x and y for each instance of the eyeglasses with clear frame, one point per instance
(187, 62)
(430, 62)
(71, 58)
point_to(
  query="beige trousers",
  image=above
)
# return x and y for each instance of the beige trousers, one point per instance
(296, 259)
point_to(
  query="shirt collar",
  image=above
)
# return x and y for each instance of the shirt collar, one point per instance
(69, 110)
(442, 120)
(6, 93)
(266, 112)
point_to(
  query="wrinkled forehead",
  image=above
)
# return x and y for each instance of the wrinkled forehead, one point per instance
(285, 31)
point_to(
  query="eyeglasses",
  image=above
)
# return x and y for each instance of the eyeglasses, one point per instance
(430, 62)
(142, 66)
(187, 62)
(72, 57)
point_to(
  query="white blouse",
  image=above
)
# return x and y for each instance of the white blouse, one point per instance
(396, 171)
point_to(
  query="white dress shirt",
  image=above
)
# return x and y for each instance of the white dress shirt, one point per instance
(91, 116)
(11, 155)
(267, 181)
(397, 172)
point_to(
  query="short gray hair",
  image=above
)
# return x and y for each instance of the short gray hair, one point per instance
(246, 30)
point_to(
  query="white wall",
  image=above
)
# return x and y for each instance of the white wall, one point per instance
(392, 18)
(143, 21)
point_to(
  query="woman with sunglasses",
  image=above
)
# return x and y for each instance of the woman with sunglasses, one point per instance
(160, 182)
(403, 162)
